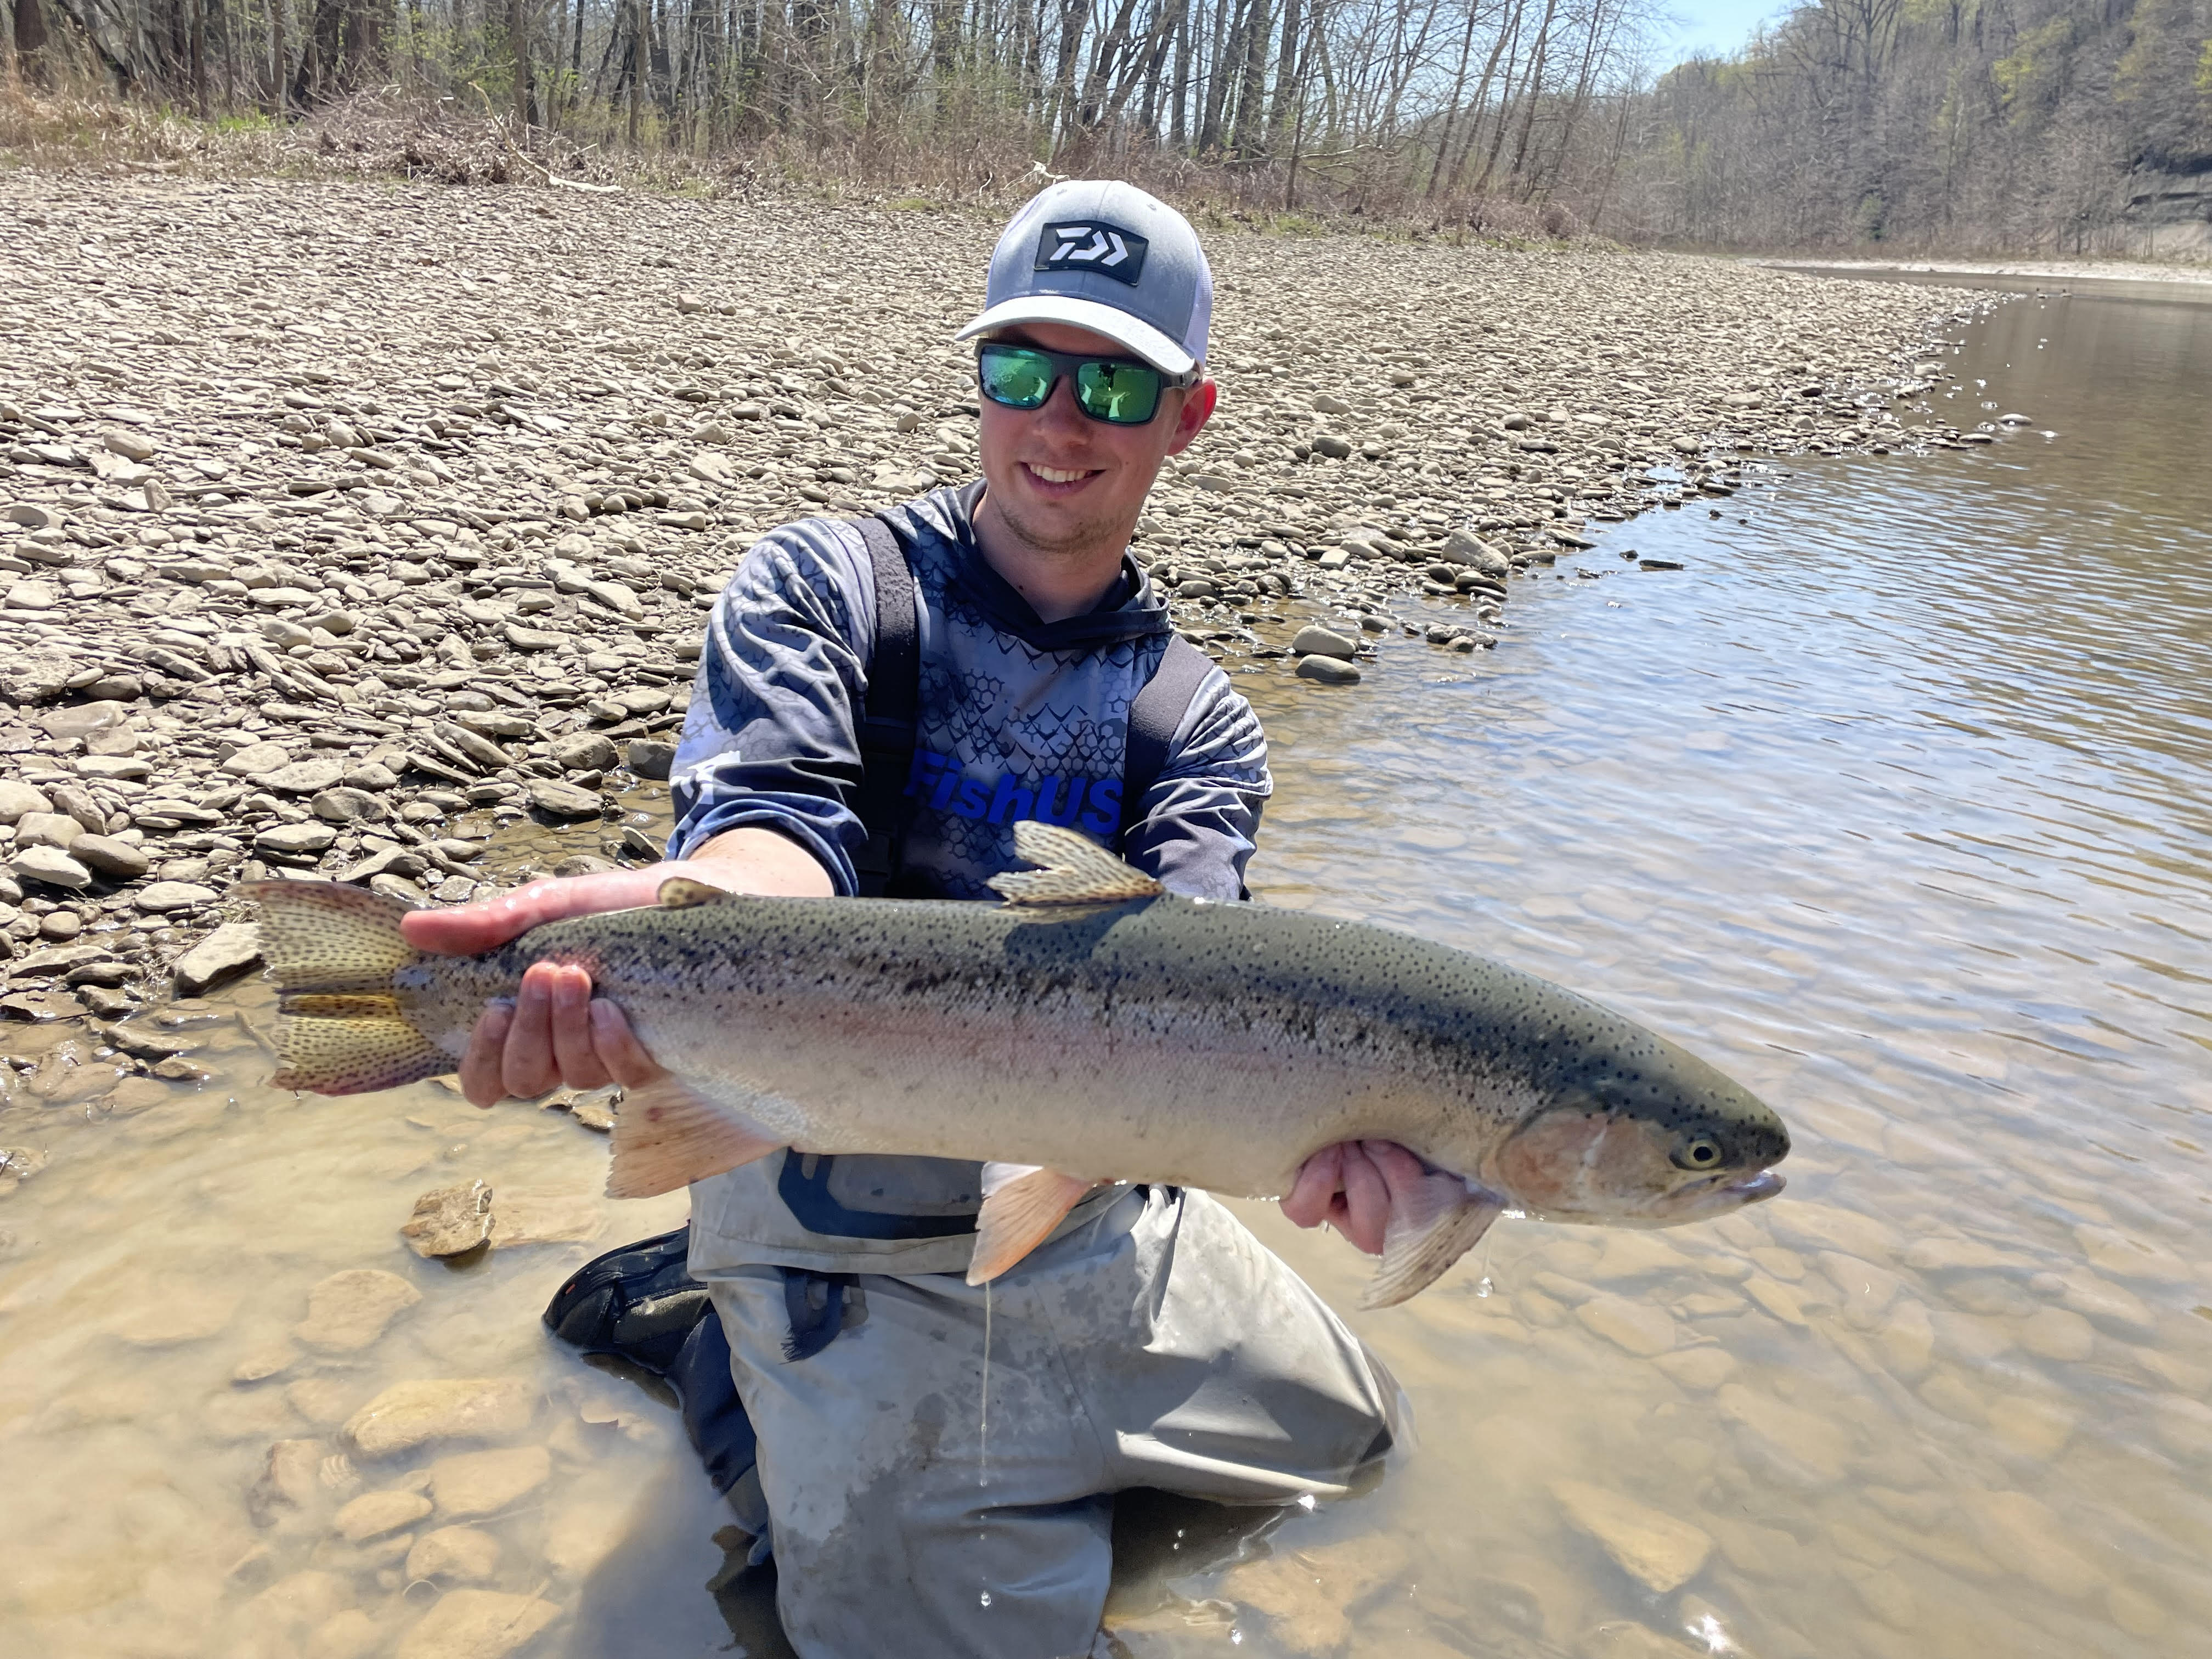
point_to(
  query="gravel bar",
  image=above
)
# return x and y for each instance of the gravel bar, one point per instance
(341, 523)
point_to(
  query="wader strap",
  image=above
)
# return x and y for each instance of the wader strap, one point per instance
(888, 723)
(1154, 715)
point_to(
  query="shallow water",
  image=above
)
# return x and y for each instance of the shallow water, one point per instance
(1894, 802)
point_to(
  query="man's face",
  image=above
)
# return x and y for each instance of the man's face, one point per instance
(1062, 483)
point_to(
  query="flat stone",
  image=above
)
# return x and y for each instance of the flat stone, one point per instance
(476, 1624)
(428, 1410)
(1315, 640)
(47, 830)
(51, 867)
(160, 898)
(455, 1555)
(117, 860)
(485, 1483)
(17, 798)
(81, 720)
(306, 777)
(257, 757)
(584, 751)
(531, 639)
(520, 1218)
(295, 840)
(228, 951)
(1814, 1443)
(565, 800)
(349, 1310)
(374, 1514)
(1652, 1546)
(2026, 1534)
(449, 1221)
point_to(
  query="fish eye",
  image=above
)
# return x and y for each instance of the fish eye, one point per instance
(1702, 1153)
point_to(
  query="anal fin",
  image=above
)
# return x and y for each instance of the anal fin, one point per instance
(1022, 1204)
(666, 1136)
(1431, 1226)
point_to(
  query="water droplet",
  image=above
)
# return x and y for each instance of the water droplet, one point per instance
(985, 1598)
(1483, 1286)
(1306, 1500)
(1236, 1636)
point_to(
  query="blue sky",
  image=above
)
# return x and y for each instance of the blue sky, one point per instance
(1715, 26)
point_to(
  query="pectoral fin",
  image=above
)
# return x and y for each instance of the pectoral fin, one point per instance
(666, 1136)
(1022, 1204)
(1432, 1225)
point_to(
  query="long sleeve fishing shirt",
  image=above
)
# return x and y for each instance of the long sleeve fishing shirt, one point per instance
(1018, 718)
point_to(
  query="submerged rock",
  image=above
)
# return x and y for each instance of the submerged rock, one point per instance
(349, 1310)
(449, 1220)
(428, 1410)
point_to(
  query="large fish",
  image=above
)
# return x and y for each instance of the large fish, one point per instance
(1094, 1028)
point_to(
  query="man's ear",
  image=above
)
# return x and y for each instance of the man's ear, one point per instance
(1197, 410)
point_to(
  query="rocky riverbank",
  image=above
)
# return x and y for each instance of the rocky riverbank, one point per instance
(342, 525)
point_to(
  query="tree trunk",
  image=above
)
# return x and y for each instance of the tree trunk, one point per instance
(518, 46)
(31, 41)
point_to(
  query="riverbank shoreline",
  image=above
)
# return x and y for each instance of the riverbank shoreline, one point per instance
(350, 527)
(2057, 270)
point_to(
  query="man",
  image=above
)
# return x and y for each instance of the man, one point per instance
(936, 1461)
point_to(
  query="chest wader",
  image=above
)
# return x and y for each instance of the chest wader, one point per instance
(640, 1303)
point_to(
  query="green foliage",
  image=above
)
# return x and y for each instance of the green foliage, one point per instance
(2030, 80)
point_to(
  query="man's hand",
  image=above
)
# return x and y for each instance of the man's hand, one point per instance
(555, 1032)
(1352, 1186)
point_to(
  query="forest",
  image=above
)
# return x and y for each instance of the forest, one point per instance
(2062, 125)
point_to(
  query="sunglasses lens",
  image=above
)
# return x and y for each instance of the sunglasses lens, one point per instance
(1126, 394)
(1018, 378)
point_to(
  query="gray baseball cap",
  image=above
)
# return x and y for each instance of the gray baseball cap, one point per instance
(1103, 255)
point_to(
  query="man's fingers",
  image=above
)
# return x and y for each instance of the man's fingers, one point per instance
(1308, 1202)
(573, 1055)
(528, 1068)
(481, 1082)
(618, 1048)
(1366, 1200)
(468, 928)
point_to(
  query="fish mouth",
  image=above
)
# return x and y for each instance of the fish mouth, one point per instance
(1754, 1189)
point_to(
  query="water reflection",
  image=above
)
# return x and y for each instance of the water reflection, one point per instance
(1894, 802)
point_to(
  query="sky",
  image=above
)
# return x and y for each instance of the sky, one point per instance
(1715, 27)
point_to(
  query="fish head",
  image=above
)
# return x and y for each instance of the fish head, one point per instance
(1644, 1138)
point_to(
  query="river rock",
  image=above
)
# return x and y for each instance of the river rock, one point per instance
(1642, 1327)
(105, 855)
(476, 1624)
(483, 1483)
(1328, 670)
(17, 798)
(1659, 1551)
(55, 829)
(349, 1310)
(2023, 1533)
(449, 1220)
(651, 758)
(295, 840)
(426, 1411)
(306, 777)
(456, 1555)
(584, 751)
(161, 897)
(51, 867)
(228, 951)
(257, 757)
(374, 1514)
(349, 1633)
(564, 800)
(1315, 640)
(1815, 1445)
(519, 1217)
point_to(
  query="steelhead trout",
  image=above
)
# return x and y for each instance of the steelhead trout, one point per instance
(1093, 1028)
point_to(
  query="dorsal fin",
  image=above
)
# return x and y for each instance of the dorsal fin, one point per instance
(682, 892)
(1077, 871)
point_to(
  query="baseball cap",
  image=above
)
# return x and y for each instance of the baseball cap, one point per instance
(1099, 254)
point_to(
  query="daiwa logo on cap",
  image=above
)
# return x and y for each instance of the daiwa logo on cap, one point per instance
(1086, 245)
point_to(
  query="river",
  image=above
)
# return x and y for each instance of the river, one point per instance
(1894, 801)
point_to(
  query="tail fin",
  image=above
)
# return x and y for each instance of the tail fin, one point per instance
(333, 951)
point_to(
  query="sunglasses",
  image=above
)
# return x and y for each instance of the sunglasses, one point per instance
(1119, 391)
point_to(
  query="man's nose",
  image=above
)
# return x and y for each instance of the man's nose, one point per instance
(1060, 412)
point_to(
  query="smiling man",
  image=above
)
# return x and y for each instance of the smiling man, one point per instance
(879, 703)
